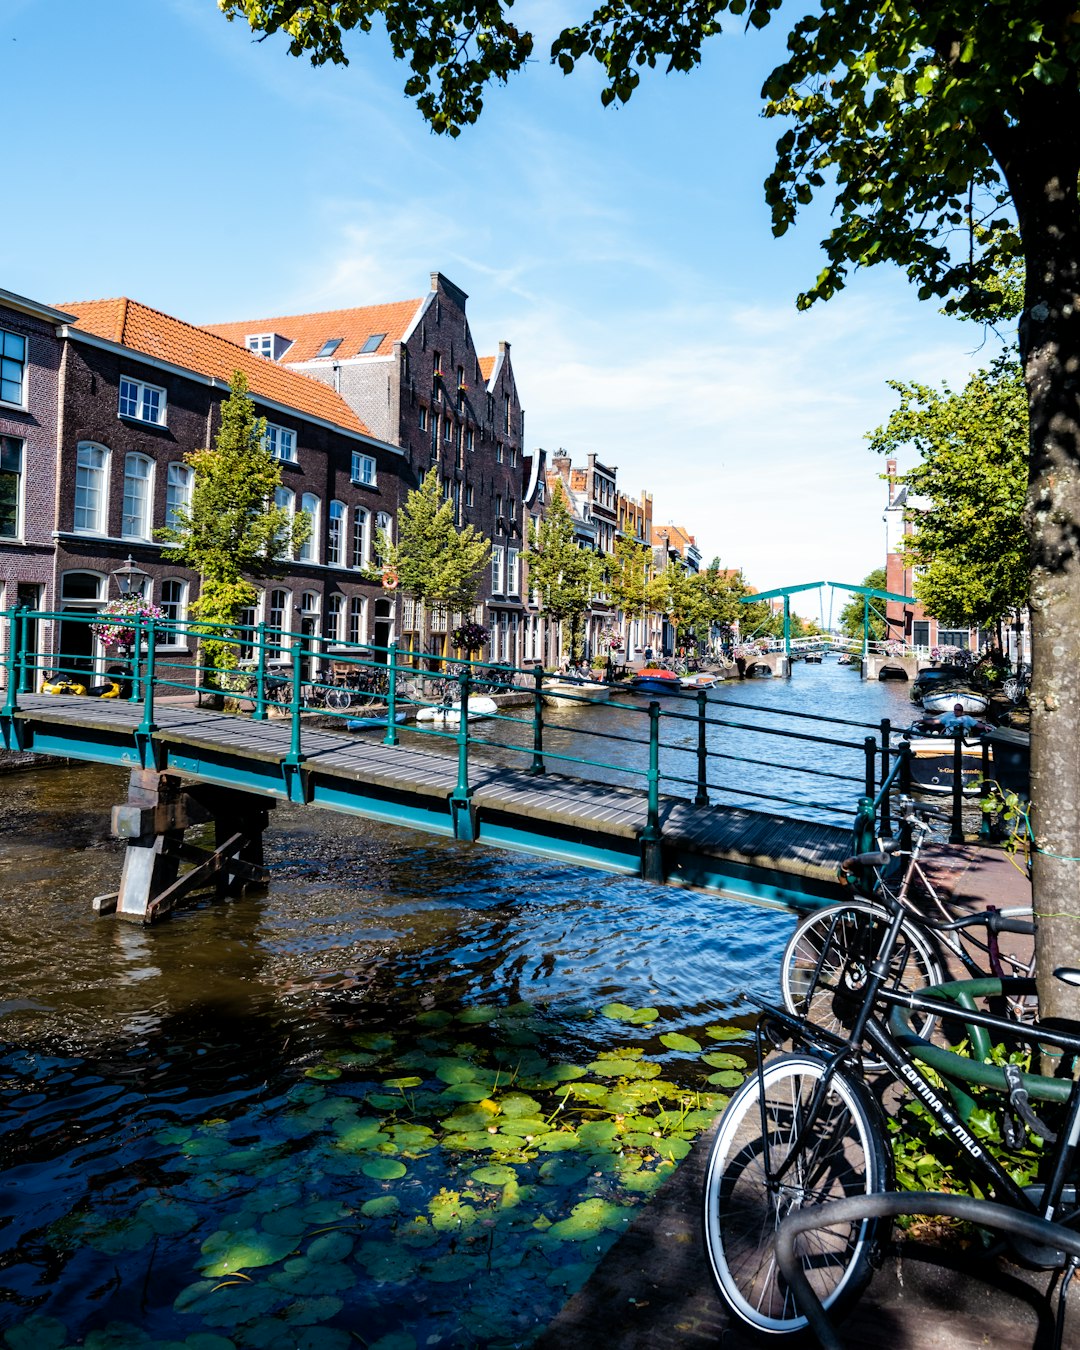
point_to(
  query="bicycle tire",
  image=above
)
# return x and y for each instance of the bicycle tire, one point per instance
(829, 953)
(338, 699)
(847, 1157)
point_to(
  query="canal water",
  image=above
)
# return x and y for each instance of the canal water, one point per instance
(408, 1096)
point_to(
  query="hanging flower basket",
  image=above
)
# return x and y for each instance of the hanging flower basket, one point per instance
(111, 631)
(470, 637)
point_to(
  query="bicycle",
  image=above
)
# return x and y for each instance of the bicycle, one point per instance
(804, 1131)
(841, 940)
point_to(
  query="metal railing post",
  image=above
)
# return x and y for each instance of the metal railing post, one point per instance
(701, 797)
(294, 701)
(24, 624)
(538, 721)
(870, 753)
(460, 800)
(652, 868)
(956, 834)
(391, 737)
(136, 687)
(905, 791)
(886, 802)
(259, 710)
(146, 726)
(984, 789)
(10, 657)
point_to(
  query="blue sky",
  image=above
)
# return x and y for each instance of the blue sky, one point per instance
(626, 254)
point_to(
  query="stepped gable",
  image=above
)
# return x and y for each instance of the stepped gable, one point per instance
(154, 334)
(308, 334)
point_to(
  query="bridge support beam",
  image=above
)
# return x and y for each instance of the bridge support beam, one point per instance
(158, 812)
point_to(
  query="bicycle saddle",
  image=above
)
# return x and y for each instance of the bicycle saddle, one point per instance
(1067, 975)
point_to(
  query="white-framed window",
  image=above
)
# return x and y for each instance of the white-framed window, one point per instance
(309, 549)
(138, 481)
(421, 418)
(384, 525)
(12, 368)
(497, 554)
(447, 430)
(468, 494)
(335, 535)
(356, 619)
(363, 469)
(285, 500)
(261, 343)
(361, 537)
(141, 402)
(281, 442)
(11, 487)
(277, 618)
(173, 601)
(470, 439)
(498, 452)
(91, 488)
(82, 588)
(178, 486)
(513, 583)
(332, 627)
(245, 622)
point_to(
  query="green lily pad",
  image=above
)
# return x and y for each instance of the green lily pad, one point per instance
(409, 1082)
(524, 1127)
(728, 1033)
(465, 1092)
(625, 1068)
(478, 1015)
(495, 1174)
(329, 1247)
(518, 1104)
(286, 1222)
(472, 1140)
(381, 1207)
(374, 1040)
(464, 1071)
(323, 1073)
(37, 1333)
(724, 1059)
(622, 1012)
(246, 1250)
(384, 1169)
(564, 1171)
(558, 1141)
(726, 1078)
(397, 1340)
(674, 1040)
(589, 1218)
(435, 1017)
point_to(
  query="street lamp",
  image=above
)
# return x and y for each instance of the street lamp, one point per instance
(129, 579)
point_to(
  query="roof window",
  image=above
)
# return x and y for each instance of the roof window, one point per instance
(372, 344)
(329, 347)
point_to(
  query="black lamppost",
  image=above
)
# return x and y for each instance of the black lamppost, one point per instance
(129, 579)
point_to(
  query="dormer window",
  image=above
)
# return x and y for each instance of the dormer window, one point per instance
(271, 345)
(373, 344)
(329, 347)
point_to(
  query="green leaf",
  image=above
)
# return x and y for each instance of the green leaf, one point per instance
(675, 1041)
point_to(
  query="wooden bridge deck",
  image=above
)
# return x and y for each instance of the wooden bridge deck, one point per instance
(722, 849)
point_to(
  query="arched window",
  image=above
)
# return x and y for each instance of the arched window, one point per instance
(138, 477)
(384, 523)
(277, 619)
(309, 549)
(178, 485)
(332, 628)
(285, 500)
(91, 481)
(82, 588)
(361, 537)
(173, 604)
(357, 628)
(335, 536)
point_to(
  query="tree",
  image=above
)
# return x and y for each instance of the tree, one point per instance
(627, 579)
(437, 563)
(968, 539)
(947, 136)
(232, 530)
(566, 576)
(853, 615)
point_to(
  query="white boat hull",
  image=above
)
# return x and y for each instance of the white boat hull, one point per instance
(450, 714)
(573, 693)
(945, 700)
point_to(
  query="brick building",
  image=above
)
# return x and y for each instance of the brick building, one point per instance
(30, 361)
(411, 371)
(138, 391)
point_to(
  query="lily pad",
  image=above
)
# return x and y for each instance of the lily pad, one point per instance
(409, 1082)
(622, 1012)
(494, 1175)
(723, 1059)
(625, 1068)
(246, 1250)
(674, 1040)
(37, 1333)
(381, 1207)
(589, 1218)
(726, 1078)
(384, 1169)
(727, 1033)
(465, 1092)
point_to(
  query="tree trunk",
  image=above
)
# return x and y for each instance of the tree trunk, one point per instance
(1046, 200)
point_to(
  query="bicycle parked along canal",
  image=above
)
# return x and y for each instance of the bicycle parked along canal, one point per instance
(805, 1130)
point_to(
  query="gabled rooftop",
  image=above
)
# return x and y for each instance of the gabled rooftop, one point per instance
(310, 335)
(151, 333)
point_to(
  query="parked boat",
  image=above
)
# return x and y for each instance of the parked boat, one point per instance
(655, 680)
(703, 679)
(935, 678)
(568, 692)
(372, 723)
(933, 756)
(812, 658)
(449, 714)
(949, 698)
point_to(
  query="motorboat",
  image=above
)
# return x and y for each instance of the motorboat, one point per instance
(932, 741)
(947, 699)
(373, 723)
(449, 714)
(937, 678)
(812, 658)
(655, 680)
(702, 679)
(570, 691)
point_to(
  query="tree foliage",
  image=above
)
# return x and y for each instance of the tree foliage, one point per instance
(853, 616)
(627, 576)
(232, 531)
(565, 576)
(969, 490)
(438, 563)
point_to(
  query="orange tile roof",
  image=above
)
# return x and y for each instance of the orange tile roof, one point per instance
(164, 338)
(487, 365)
(308, 332)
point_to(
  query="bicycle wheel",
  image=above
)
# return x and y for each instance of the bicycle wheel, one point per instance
(843, 1155)
(827, 959)
(339, 699)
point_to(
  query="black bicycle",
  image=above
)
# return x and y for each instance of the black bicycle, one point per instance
(804, 1131)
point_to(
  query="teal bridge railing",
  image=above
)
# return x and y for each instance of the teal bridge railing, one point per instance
(699, 746)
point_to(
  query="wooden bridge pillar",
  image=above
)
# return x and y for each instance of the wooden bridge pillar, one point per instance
(159, 809)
